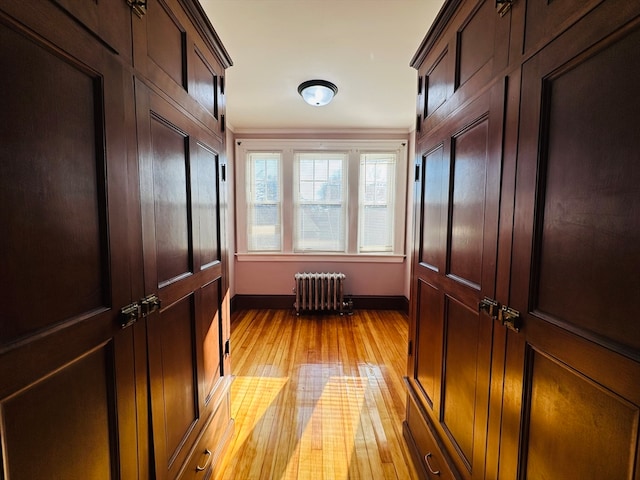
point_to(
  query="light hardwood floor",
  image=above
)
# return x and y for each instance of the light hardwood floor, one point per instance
(318, 396)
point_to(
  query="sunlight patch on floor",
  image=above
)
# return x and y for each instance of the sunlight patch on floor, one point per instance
(260, 392)
(331, 428)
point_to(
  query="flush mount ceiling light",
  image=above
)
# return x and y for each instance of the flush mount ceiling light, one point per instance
(317, 92)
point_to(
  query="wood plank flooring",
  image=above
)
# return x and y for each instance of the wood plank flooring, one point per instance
(318, 396)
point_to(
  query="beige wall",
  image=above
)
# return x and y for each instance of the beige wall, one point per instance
(276, 278)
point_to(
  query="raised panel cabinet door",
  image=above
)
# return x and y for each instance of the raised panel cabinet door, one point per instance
(160, 46)
(435, 85)
(476, 43)
(67, 380)
(209, 337)
(455, 268)
(576, 284)
(179, 164)
(545, 20)
(176, 49)
(206, 84)
(459, 58)
(109, 20)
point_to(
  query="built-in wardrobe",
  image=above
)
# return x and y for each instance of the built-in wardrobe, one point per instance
(114, 330)
(524, 349)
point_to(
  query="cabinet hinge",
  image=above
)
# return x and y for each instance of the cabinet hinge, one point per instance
(227, 348)
(223, 172)
(417, 174)
(410, 348)
(221, 85)
(222, 123)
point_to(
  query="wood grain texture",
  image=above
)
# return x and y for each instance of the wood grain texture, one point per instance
(475, 43)
(52, 205)
(468, 203)
(318, 396)
(590, 228)
(168, 48)
(434, 208)
(178, 162)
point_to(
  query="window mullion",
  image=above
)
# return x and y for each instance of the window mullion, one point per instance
(287, 201)
(352, 192)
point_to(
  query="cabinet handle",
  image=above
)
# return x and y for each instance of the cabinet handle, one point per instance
(490, 306)
(149, 304)
(510, 318)
(207, 452)
(426, 459)
(129, 315)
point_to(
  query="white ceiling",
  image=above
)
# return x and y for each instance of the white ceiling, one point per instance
(363, 46)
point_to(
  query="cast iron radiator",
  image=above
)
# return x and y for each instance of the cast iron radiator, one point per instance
(317, 292)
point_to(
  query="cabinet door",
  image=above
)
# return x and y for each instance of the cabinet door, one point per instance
(546, 20)
(108, 20)
(179, 171)
(67, 384)
(184, 61)
(575, 275)
(473, 49)
(458, 198)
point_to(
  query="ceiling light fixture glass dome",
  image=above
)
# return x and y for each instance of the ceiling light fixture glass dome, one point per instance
(317, 92)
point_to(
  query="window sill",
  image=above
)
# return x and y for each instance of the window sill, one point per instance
(319, 257)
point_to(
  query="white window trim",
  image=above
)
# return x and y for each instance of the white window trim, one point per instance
(287, 148)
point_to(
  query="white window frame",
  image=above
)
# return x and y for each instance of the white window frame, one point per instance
(248, 193)
(390, 201)
(298, 202)
(288, 148)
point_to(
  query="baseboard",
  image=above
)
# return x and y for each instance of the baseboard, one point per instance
(252, 302)
(396, 302)
(364, 302)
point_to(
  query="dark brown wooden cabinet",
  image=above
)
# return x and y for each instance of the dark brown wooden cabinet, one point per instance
(180, 162)
(525, 350)
(183, 59)
(455, 271)
(111, 195)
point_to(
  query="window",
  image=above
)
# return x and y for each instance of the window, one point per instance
(377, 200)
(320, 208)
(264, 212)
(321, 197)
